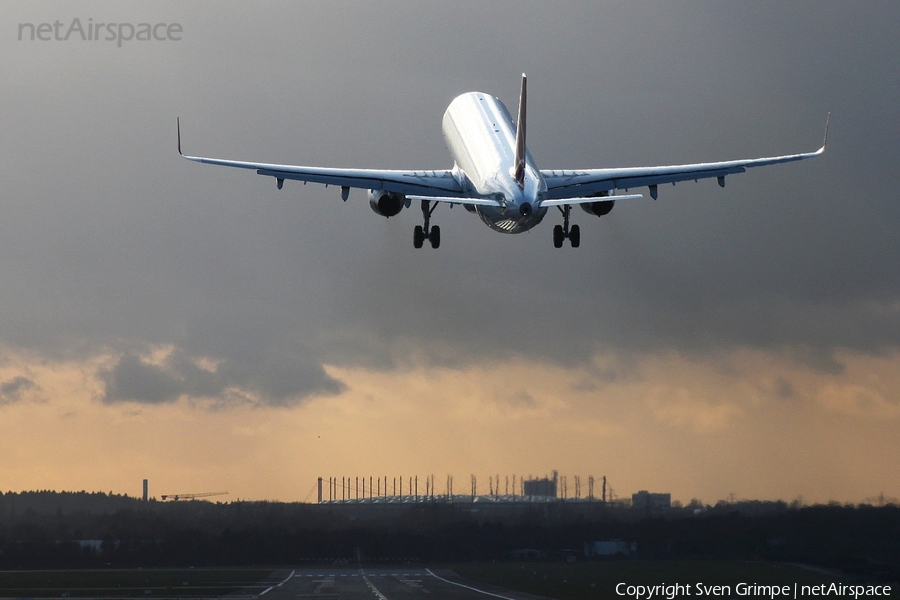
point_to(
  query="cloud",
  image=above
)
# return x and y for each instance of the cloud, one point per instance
(679, 408)
(859, 400)
(783, 390)
(277, 381)
(131, 379)
(16, 389)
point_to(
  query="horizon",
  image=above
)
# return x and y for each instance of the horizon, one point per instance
(879, 501)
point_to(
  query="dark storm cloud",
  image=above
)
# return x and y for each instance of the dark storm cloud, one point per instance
(14, 389)
(276, 380)
(111, 243)
(131, 379)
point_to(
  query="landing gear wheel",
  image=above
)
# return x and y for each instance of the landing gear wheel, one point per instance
(575, 236)
(426, 232)
(563, 232)
(558, 236)
(418, 236)
(435, 236)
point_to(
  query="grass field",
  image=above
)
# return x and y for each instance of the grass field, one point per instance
(593, 580)
(154, 583)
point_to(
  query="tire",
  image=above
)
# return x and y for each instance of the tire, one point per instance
(557, 236)
(575, 236)
(435, 237)
(418, 237)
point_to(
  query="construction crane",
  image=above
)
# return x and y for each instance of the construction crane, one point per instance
(175, 497)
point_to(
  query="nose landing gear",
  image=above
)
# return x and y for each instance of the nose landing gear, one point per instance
(564, 232)
(432, 234)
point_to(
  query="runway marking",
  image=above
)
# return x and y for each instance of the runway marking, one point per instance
(372, 587)
(288, 578)
(413, 583)
(430, 572)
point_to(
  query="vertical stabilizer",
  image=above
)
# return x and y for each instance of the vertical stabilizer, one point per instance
(519, 173)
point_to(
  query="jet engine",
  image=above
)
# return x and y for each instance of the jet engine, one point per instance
(386, 204)
(598, 208)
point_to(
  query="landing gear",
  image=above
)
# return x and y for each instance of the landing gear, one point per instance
(426, 232)
(435, 237)
(418, 236)
(564, 232)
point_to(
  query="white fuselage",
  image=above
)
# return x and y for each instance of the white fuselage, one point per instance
(481, 137)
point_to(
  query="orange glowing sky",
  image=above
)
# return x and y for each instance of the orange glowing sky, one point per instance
(749, 424)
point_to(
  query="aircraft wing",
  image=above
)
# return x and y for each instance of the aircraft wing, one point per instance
(589, 182)
(423, 182)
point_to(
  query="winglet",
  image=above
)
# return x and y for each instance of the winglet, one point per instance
(825, 140)
(178, 126)
(519, 167)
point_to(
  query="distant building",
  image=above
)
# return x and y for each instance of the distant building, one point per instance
(95, 546)
(527, 554)
(542, 487)
(647, 502)
(609, 548)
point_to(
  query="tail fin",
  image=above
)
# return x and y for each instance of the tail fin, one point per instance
(520, 139)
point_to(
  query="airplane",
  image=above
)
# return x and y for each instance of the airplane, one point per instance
(495, 177)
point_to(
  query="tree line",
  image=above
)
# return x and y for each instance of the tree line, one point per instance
(97, 530)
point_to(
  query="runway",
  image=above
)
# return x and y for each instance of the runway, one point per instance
(382, 584)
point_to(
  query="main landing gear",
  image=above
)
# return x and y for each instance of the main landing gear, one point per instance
(564, 232)
(432, 234)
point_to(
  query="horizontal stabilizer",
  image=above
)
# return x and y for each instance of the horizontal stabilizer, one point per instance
(454, 200)
(590, 200)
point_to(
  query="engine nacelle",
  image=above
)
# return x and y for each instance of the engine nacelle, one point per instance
(598, 208)
(386, 204)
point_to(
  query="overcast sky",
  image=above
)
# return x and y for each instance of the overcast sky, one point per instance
(195, 326)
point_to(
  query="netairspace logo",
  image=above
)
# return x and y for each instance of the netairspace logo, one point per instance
(751, 590)
(95, 32)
